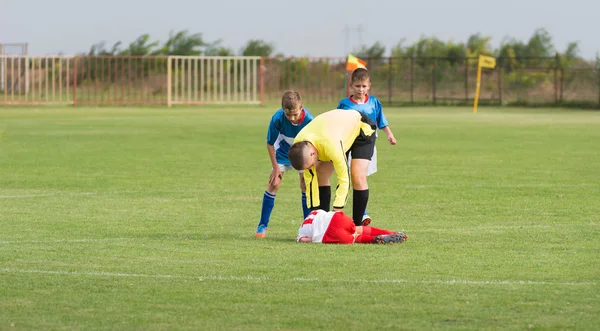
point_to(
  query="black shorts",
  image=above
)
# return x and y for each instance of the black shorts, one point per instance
(364, 146)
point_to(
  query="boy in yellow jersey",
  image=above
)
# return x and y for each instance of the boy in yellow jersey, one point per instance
(322, 147)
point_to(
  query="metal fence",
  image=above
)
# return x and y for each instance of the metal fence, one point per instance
(175, 80)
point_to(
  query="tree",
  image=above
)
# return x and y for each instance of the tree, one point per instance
(182, 43)
(478, 44)
(540, 44)
(141, 47)
(376, 51)
(99, 49)
(257, 47)
(216, 49)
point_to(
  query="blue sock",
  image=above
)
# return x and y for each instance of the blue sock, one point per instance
(267, 208)
(305, 209)
(365, 212)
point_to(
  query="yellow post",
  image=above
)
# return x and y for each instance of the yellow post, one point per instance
(477, 88)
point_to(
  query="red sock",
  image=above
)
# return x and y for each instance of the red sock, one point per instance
(372, 231)
(364, 239)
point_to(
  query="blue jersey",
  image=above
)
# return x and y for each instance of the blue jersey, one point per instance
(282, 132)
(371, 107)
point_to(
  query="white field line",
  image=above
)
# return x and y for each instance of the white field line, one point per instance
(251, 278)
(58, 241)
(539, 185)
(25, 196)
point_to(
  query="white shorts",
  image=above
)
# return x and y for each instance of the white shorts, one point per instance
(285, 168)
(372, 165)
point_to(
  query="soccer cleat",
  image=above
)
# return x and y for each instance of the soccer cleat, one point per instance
(397, 237)
(366, 220)
(261, 231)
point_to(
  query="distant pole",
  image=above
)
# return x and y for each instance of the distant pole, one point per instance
(2, 61)
(359, 29)
(346, 39)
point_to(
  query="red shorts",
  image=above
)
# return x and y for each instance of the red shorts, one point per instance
(341, 230)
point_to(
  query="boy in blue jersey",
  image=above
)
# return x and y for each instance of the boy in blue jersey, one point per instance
(283, 128)
(360, 100)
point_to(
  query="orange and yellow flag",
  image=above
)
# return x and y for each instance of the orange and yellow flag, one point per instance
(353, 63)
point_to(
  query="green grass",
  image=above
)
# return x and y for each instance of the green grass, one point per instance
(132, 218)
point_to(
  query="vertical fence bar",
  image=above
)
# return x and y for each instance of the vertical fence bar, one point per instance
(60, 60)
(391, 72)
(215, 72)
(242, 79)
(75, 81)
(39, 79)
(562, 82)
(249, 80)
(125, 80)
(26, 75)
(228, 79)
(2, 69)
(176, 80)
(262, 81)
(412, 80)
(92, 72)
(188, 68)
(466, 79)
(67, 76)
(47, 77)
(196, 80)
(556, 64)
(254, 79)
(53, 79)
(499, 68)
(433, 79)
(18, 80)
(4, 76)
(169, 73)
(221, 80)
(12, 80)
(202, 79)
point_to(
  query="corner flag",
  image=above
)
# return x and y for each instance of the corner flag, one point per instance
(353, 63)
(484, 62)
(487, 62)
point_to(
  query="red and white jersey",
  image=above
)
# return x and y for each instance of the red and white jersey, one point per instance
(315, 225)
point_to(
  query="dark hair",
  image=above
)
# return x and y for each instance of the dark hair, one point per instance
(296, 154)
(291, 100)
(360, 74)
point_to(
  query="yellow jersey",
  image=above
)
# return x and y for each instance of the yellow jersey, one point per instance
(332, 134)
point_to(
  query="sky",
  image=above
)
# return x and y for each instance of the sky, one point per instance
(303, 28)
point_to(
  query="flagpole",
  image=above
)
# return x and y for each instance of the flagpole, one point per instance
(477, 88)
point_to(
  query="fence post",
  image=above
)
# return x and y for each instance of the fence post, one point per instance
(2, 62)
(75, 81)
(412, 80)
(262, 80)
(466, 79)
(433, 79)
(169, 101)
(562, 83)
(390, 82)
(556, 64)
(499, 69)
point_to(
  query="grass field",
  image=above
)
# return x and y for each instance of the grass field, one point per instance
(131, 218)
